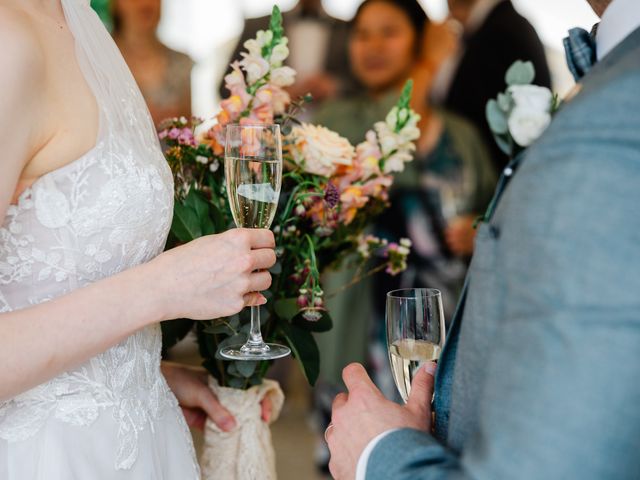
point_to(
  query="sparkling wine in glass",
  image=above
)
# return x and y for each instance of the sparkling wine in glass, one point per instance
(415, 332)
(253, 171)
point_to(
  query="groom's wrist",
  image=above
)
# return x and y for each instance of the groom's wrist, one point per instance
(361, 469)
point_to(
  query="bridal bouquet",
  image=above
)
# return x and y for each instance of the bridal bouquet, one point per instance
(331, 191)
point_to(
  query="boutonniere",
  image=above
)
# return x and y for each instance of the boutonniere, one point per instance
(522, 112)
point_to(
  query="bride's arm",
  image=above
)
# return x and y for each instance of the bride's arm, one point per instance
(208, 278)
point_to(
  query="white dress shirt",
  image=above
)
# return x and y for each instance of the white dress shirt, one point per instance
(619, 19)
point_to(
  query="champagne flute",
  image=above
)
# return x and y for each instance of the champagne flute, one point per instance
(415, 332)
(253, 171)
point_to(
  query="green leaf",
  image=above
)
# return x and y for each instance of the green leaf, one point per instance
(323, 325)
(175, 330)
(505, 143)
(235, 382)
(505, 102)
(304, 349)
(218, 328)
(286, 308)
(276, 269)
(496, 118)
(275, 24)
(520, 73)
(405, 96)
(232, 369)
(246, 368)
(199, 204)
(186, 224)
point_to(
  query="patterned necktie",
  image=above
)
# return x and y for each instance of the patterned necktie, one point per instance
(580, 48)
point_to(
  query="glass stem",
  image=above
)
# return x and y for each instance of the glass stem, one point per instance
(255, 335)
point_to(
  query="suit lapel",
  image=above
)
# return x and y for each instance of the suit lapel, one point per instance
(446, 363)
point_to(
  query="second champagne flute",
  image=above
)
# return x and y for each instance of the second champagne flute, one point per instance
(253, 171)
(415, 332)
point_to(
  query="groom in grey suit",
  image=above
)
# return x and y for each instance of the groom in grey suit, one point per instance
(540, 375)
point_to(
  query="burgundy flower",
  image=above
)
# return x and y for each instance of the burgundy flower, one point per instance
(331, 195)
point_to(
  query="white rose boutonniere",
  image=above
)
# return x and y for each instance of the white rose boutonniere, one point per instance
(520, 115)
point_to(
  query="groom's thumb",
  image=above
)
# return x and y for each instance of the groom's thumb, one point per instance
(419, 401)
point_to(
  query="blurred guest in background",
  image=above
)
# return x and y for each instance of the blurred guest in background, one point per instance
(163, 75)
(494, 35)
(450, 180)
(318, 50)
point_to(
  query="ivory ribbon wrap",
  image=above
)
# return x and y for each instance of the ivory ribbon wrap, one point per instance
(247, 452)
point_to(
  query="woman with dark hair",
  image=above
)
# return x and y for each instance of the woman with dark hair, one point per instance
(163, 75)
(433, 202)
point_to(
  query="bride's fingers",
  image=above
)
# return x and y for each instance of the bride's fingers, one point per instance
(194, 417)
(263, 258)
(215, 411)
(254, 299)
(259, 281)
(267, 409)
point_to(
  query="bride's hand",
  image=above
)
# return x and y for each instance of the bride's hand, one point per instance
(214, 276)
(196, 399)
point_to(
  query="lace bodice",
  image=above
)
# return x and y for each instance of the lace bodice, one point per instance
(103, 213)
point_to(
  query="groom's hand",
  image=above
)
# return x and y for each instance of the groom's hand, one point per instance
(362, 414)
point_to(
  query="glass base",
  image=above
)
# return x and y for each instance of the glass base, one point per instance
(266, 351)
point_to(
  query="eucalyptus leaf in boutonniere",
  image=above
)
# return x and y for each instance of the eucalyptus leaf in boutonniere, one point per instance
(518, 116)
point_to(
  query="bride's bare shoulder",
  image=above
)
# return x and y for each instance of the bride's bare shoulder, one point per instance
(17, 29)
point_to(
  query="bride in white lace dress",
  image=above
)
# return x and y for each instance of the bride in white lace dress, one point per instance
(85, 207)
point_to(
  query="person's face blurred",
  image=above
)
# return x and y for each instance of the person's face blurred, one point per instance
(140, 16)
(382, 46)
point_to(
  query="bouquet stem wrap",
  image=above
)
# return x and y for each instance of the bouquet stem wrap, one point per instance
(245, 453)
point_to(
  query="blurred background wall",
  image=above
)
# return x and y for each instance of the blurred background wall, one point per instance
(207, 30)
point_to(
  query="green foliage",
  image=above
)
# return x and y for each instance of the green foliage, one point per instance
(304, 349)
(496, 117)
(520, 73)
(275, 24)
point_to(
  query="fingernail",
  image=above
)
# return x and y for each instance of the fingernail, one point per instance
(228, 424)
(430, 368)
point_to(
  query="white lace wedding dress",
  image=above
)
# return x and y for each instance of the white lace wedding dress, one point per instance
(114, 417)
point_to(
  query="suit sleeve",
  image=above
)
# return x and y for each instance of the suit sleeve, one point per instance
(562, 396)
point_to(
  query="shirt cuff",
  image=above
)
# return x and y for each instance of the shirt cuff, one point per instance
(361, 470)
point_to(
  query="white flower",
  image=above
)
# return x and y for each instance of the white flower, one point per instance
(253, 47)
(392, 118)
(202, 159)
(405, 242)
(283, 76)
(256, 67)
(526, 126)
(319, 150)
(387, 138)
(395, 163)
(215, 165)
(531, 114)
(279, 54)
(532, 97)
(264, 37)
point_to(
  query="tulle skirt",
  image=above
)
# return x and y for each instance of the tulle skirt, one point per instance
(61, 451)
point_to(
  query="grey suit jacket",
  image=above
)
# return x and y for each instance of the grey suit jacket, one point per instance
(540, 376)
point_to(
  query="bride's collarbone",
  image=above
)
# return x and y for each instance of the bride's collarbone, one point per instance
(69, 114)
